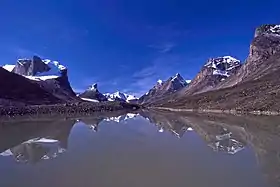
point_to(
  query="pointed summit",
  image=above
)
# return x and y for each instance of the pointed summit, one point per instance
(163, 88)
(93, 87)
(92, 94)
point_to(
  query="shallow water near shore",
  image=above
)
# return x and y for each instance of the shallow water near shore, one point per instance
(154, 149)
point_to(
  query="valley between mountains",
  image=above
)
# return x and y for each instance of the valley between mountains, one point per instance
(41, 86)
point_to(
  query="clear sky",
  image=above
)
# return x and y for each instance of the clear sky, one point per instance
(129, 45)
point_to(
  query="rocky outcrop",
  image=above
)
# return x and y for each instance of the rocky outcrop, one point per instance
(164, 88)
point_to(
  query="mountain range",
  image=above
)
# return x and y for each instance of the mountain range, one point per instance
(92, 94)
(39, 81)
(164, 88)
(223, 83)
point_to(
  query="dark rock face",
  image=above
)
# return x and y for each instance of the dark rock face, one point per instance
(215, 71)
(59, 87)
(17, 89)
(164, 88)
(29, 67)
(93, 93)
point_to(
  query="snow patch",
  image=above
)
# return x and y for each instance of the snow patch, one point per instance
(189, 129)
(130, 97)
(160, 82)
(46, 140)
(8, 67)
(220, 72)
(41, 78)
(275, 29)
(91, 100)
(54, 64)
(41, 140)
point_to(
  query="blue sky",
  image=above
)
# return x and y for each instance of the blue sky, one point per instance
(129, 45)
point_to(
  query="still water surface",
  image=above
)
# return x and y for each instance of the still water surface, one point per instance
(149, 149)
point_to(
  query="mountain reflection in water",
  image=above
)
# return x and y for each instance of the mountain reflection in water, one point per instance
(34, 142)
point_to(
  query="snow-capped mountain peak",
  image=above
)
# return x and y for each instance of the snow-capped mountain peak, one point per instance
(37, 69)
(223, 65)
(93, 87)
(119, 96)
(180, 79)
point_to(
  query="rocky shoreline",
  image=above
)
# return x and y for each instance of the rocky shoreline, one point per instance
(68, 108)
(233, 111)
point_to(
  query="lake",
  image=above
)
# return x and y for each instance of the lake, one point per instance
(151, 149)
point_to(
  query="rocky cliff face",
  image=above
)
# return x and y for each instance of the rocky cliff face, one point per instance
(28, 67)
(59, 87)
(164, 88)
(264, 46)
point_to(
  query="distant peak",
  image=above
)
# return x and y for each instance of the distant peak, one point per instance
(213, 62)
(180, 79)
(177, 76)
(93, 87)
(36, 58)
